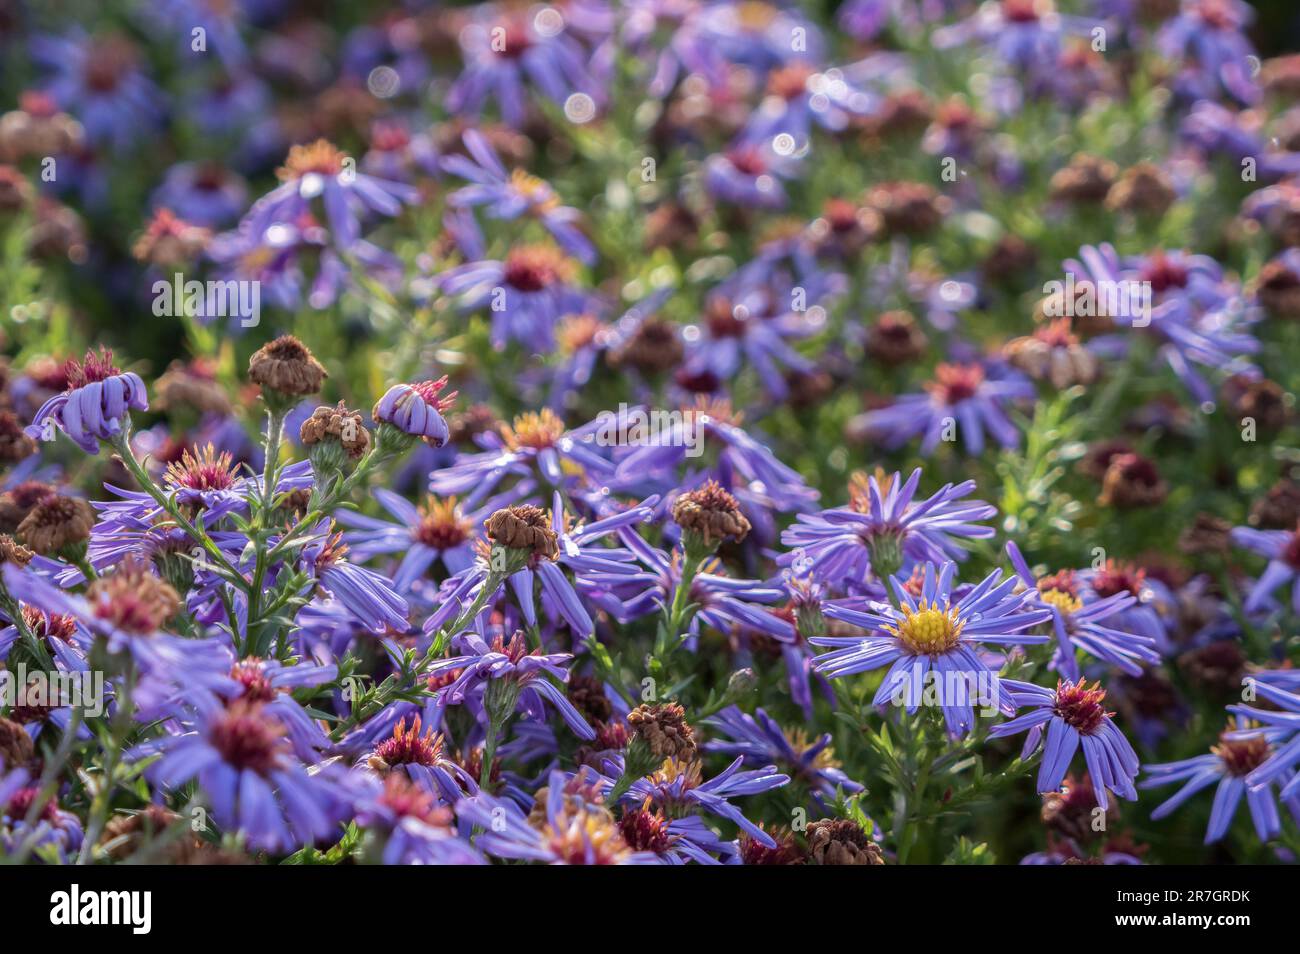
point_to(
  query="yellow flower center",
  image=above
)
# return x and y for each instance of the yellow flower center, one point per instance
(1063, 601)
(928, 630)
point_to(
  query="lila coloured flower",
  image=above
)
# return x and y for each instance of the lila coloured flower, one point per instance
(98, 79)
(526, 669)
(528, 292)
(761, 740)
(1077, 615)
(369, 596)
(932, 643)
(321, 170)
(1195, 312)
(95, 407)
(564, 828)
(253, 782)
(1207, 38)
(1280, 689)
(1282, 548)
(963, 400)
(413, 828)
(678, 787)
(1074, 716)
(417, 409)
(513, 195)
(1229, 764)
(885, 531)
(438, 530)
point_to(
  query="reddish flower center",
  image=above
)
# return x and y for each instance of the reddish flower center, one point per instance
(1242, 756)
(645, 831)
(533, 268)
(441, 525)
(247, 739)
(1081, 706)
(95, 367)
(954, 383)
(410, 746)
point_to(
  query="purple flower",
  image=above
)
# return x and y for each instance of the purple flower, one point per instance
(885, 531)
(1229, 764)
(1077, 614)
(936, 631)
(321, 171)
(414, 830)
(205, 193)
(1282, 758)
(99, 81)
(514, 195)
(1282, 548)
(417, 409)
(369, 596)
(1074, 717)
(525, 670)
(570, 830)
(969, 399)
(506, 52)
(760, 740)
(254, 784)
(1207, 38)
(96, 406)
(438, 530)
(679, 787)
(527, 293)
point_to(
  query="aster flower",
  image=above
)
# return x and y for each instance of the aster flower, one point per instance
(55, 832)
(514, 195)
(1027, 36)
(884, 530)
(1074, 717)
(749, 174)
(1229, 764)
(1282, 548)
(670, 40)
(320, 170)
(679, 787)
(760, 740)
(1280, 689)
(413, 829)
(563, 829)
(939, 631)
(536, 49)
(536, 449)
(369, 596)
(723, 602)
(438, 530)
(1208, 38)
(528, 293)
(254, 784)
(966, 398)
(99, 80)
(417, 409)
(96, 405)
(204, 193)
(526, 670)
(1195, 313)
(417, 754)
(1077, 619)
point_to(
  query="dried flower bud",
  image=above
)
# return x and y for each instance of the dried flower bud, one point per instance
(839, 841)
(1132, 481)
(1207, 534)
(664, 730)
(1277, 288)
(15, 445)
(337, 424)
(286, 368)
(16, 747)
(1279, 508)
(1144, 189)
(908, 208)
(57, 523)
(523, 528)
(712, 514)
(896, 339)
(11, 551)
(1087, 179)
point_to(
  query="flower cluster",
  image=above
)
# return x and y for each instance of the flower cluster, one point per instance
(649, 432)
